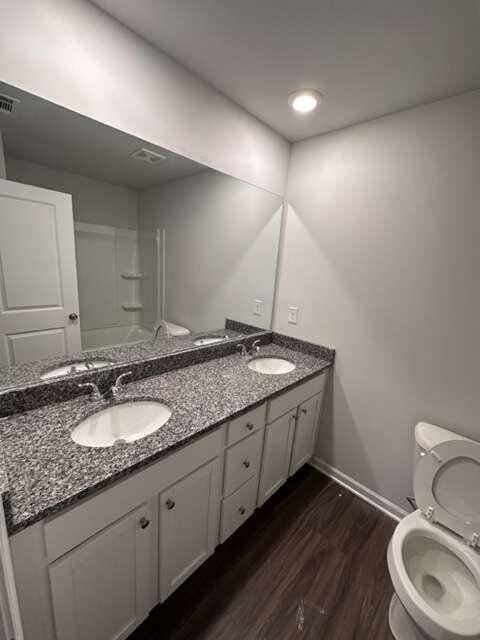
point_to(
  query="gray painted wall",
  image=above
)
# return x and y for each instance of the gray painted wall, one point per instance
(382, 255)
(221, 248)
(94, 201)
(74, 54)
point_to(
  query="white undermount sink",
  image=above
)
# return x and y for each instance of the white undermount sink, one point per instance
(74, 367)
(121, 423)
(202, 341)
(271, 366)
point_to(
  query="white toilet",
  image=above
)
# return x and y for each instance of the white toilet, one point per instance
(434, 553)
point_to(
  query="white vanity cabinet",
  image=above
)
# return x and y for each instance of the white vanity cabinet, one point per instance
(95, 570)
(188, 525)
(105, 587)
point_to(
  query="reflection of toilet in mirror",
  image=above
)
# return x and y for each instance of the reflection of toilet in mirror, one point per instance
(434, 553)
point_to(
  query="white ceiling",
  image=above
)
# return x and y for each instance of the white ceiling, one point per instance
(368, 57)
(45, 133)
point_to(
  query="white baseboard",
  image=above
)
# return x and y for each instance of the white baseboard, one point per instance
(389, 508)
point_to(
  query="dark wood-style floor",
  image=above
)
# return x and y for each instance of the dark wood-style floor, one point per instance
(311, 563)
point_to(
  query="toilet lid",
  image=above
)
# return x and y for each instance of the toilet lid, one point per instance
(447, 487)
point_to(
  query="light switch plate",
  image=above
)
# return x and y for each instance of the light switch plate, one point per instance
(292, 315)
(257, 307)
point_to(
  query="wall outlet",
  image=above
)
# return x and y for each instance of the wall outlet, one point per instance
(292, 315)
(257, 307)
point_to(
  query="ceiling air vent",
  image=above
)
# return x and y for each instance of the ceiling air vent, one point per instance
(7, 104)
(147, 155)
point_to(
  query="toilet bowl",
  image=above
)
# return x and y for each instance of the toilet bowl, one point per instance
(434, 554)
(436, 576)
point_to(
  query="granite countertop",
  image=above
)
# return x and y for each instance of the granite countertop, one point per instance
(46, 471)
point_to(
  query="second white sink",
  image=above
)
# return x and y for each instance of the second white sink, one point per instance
(76, 366)
(121, 423)
(271, 366)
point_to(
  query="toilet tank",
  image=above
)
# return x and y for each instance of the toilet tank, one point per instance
(429, 435)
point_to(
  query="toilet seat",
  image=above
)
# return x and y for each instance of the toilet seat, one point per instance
(446, 486)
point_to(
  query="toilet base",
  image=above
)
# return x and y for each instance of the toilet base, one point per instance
(401, 624)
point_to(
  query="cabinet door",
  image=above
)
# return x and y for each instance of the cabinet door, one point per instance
(189, 521)
(105, 587)
(305, 433)
(276, 455)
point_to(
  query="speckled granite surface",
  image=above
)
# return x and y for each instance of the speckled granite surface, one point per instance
(37, 394)
(47, 471)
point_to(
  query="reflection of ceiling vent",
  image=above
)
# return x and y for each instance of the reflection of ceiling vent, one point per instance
(7, 104)
(147, 155)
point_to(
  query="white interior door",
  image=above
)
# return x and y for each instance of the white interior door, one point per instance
(38, 276)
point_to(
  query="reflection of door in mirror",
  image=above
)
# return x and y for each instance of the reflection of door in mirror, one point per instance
(38, 281)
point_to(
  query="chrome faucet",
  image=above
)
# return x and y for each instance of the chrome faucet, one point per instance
(255, 347)
(161, 324)
(117, 387)
(244, 352)
(95, 393)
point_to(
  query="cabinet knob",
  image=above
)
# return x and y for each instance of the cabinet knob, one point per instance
(144, 522)
(304, 411)
(241, 510)
(170, 503)
(249, 426)
(73, 317)
(246, 464)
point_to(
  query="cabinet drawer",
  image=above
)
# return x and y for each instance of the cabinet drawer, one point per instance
(242, 461)
(238, 507)
(243, 426)
(291, 399)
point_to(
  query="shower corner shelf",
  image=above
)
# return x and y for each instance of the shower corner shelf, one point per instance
(131, 276)
(132, 306)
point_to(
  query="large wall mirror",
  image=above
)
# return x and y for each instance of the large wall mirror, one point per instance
(112, 248)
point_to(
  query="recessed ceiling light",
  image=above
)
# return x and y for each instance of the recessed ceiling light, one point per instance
(304, 100)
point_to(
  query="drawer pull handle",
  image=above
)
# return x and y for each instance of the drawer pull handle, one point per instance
(170, 503)
(241, 510)
(304, 411)
(246, 464)
(249, 426)
(144, 522)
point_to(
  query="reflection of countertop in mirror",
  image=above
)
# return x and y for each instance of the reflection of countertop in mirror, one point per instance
(48, 471)
(31, 372)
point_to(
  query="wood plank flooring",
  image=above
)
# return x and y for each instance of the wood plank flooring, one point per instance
(310, 564)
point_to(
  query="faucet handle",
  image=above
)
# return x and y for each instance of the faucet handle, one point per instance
(122, 377)
(95, 393)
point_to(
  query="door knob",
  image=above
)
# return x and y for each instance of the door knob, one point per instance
(73, 317)
(246, 464)
(170, 503)
(144, 522)
(241, 510)
(249, 426)
(304, 411)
